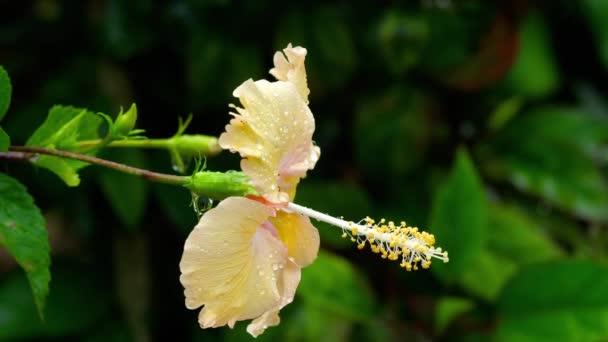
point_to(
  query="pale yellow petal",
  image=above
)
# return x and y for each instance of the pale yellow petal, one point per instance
(299, 235)
(273, 133)
(289, 66)
(232, 265)
(291, 279)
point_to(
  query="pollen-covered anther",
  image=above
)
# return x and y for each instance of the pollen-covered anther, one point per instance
(397, 242)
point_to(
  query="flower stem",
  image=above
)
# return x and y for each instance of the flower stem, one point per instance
(29, 153)
(194, 145)
(135, 143)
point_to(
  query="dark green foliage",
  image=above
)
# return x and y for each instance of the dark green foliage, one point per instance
(483, 122)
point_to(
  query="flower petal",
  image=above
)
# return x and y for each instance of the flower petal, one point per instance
(233, 265)
(299, 235)
(291, 279)
(290, 67)
(273, 133)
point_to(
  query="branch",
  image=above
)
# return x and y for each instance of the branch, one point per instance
(31, 153)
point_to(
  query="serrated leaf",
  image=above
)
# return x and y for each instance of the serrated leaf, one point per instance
(62, 129)
(335, 285)
(337, 199)
(459, 218)
(126, 194)
(79, 299)
(5, 140)
(5, 92)
(565, 301)
(23, 234)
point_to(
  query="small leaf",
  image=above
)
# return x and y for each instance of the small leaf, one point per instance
(126, 193)
(5, 92)
(448, 308)
(125, 122)
(335, 285)
(23, 234)
(62, 129)
(459, 218)
(5, 140)
(557, 301)
(336, 199)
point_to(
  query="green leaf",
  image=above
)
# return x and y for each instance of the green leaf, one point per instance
(448, 308)
(5, 140)
(535, 72)
(23, 234)
(563, 125)
(5, 92)
(312, 323)
(558, 301)
(336, 199)
(125, 193)
(62, 129)
(78, 301)
(459, 218)
(515, 239)
(558, 173)
(518, 237)
(487, 274)
(332, 283)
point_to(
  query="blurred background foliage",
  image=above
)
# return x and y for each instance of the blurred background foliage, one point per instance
(485, 122)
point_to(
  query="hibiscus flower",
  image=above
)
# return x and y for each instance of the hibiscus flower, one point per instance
(243, 259)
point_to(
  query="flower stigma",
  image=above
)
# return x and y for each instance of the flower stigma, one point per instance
(392, 241)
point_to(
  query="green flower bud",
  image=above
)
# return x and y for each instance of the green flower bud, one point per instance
(125, 122)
